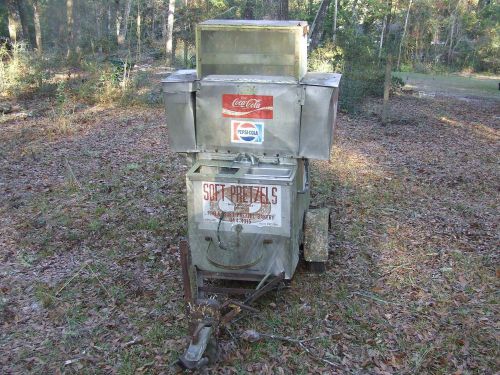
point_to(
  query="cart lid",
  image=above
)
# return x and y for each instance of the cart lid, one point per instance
(256, 23)
(183, 75)
(321, 79)
(249, 79)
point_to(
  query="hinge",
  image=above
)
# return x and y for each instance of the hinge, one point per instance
(302, 95)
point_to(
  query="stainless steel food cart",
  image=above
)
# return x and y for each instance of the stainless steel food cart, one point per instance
(249, 118)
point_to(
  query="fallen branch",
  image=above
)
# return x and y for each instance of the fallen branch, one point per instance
(307, 350)
(404, 265)
(72, 174)
(71, 361)
(99, 281)
(78, 359)
(253, 336)
(94, 274)
(71, 279)
(135, 341)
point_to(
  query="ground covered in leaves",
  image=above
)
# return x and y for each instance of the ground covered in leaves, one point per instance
(92, 207)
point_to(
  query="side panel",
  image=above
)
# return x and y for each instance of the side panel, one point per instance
(318, 122)
(179, 100)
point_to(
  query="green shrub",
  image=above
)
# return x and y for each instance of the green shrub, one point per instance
(326, 58)
(358, 83)
(397, 83)
(101, 84)
(20, 71)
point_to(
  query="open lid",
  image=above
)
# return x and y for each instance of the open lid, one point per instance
(183, 75)
(256, 23)
(249, 79)
(321, 79)
(249, 47)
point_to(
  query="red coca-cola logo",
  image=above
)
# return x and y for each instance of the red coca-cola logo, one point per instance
(247, 106)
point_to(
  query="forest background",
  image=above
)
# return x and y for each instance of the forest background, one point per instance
(93, 201)
(364, 39)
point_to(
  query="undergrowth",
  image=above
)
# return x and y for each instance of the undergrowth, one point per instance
(20, 71)
(91, 81)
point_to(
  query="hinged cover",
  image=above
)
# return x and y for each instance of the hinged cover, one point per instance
(247, 47)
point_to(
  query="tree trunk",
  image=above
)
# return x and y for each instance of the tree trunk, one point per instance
(283, 10)
(15, 29)
(138, 30)
(387, 89)
(153, 22)
(164, 24)
(23, 15)
(382, 33)
(38, 28)
(388, 67)
(450, 48)
(123, 31)
(78, 9)
(186, 53)
(354, 13)
(335, 12)
(248, 11)
(170, 53)
(317, 25)
(404, 33)
(109, 21)
(452, 32)
(118, 19)
(100, 17)
(69, 28)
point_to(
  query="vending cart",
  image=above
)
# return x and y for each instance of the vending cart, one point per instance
(249, 119)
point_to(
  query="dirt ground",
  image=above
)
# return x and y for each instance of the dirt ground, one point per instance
(92, 208)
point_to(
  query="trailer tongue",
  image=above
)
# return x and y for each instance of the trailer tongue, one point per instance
(249, 118)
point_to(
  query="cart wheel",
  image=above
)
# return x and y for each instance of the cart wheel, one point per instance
(317, 267)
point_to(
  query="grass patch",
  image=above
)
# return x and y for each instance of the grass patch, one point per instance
(453, 82)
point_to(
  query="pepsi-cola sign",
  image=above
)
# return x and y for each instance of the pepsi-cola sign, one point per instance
(247, 106)
(247, 132)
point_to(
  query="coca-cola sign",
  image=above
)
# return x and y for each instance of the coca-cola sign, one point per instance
(247, 106)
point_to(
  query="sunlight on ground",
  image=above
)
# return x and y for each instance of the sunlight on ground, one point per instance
(482, 131)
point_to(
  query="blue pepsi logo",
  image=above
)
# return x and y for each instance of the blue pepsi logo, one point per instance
(247, 132)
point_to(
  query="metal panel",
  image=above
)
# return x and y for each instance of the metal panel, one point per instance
(252, 47)
(279, 126)
(179, 99)
(318, 115)
(321, 79)
(246, 248)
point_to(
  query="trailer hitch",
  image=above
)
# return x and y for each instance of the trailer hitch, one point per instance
(203, 327)
(207, 316)
(193, 356)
